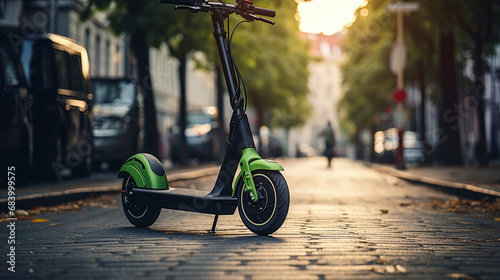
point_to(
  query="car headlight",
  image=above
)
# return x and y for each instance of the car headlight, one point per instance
(199, 130)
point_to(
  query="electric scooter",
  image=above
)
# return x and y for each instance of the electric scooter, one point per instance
(260, 192)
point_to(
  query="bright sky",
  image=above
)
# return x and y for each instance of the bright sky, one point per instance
(327, 16)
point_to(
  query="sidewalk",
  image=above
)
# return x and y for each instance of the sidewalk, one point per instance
(50, 193)
(471, 182)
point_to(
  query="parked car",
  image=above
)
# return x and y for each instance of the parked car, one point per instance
(118, 120)
(386, 144)
(413, 151)
(58, 80)
(203, 134)
(16, 122)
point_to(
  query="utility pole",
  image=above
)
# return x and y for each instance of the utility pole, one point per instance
(398, 59)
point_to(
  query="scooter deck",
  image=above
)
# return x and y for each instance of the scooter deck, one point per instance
(189, 200)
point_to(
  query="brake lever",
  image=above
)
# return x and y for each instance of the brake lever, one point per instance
(254, 17)
(265, 20)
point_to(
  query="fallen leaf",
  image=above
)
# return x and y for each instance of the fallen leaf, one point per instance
(496, 219)
(390, 269)
(384, 211)
(378, 270)
(40, 220)
(55, 224)
(400, 269)
(21, 212)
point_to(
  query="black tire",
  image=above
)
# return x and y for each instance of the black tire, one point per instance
(267, 214)
(137, 212)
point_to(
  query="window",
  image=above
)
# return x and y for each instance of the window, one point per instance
(108, 58)
(117, 60)
(87, 39)
(62, 68)
(97, 55)
(36, 59)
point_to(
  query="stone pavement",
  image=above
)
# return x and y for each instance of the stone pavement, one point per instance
(348, 222)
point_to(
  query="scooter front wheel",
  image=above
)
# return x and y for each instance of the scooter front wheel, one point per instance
(267, 214)
(137, 211)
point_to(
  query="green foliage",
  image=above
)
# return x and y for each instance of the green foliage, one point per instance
(273, 62)
(367, 78)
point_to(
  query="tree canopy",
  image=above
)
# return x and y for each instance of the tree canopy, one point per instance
(273, 61)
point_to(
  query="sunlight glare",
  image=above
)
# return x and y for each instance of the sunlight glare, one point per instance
(327, 16)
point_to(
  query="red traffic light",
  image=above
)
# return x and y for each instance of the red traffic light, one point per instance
(399, 95)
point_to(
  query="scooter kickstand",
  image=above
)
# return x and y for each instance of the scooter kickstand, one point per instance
(214, 223)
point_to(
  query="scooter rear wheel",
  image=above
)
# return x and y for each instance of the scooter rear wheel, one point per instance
(137, 211)
(267, 214)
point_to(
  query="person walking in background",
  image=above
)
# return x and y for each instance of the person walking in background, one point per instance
(329, 135)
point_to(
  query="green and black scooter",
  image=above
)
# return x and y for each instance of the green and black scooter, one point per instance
(260, 191)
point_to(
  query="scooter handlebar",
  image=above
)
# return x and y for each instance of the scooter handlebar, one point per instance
(264, 12)
(256, 10)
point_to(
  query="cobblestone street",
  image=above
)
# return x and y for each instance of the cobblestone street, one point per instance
(348, 222)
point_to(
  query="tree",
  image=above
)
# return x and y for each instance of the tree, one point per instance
(185, 33)
(273, 61)
(366, 76)
(477, 21)
(135, 18)
(150, 24)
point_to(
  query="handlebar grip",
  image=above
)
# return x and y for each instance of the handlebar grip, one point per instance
(263, 12)
(179, 2)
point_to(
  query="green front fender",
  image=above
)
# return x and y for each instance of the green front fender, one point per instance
(146, 170)
(251, 161)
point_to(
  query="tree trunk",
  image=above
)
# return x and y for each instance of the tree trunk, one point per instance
(479, 96)
(449, 118)
(182, 109)
(423, 129)
(139, 46)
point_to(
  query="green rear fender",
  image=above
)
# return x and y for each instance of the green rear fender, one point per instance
(147, 171)
(252, 161)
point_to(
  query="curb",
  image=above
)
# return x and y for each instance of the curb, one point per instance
(52, 198)
(466, 190)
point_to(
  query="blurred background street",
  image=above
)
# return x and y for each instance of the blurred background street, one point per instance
(402, 96)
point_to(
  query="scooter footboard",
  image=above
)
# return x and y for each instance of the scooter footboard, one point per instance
(189, 200)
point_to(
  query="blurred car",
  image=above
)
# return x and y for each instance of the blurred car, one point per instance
(118, 120)
(58, 81)
(386, 144)
(16, 122)
(203, 135)
(413, 151)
